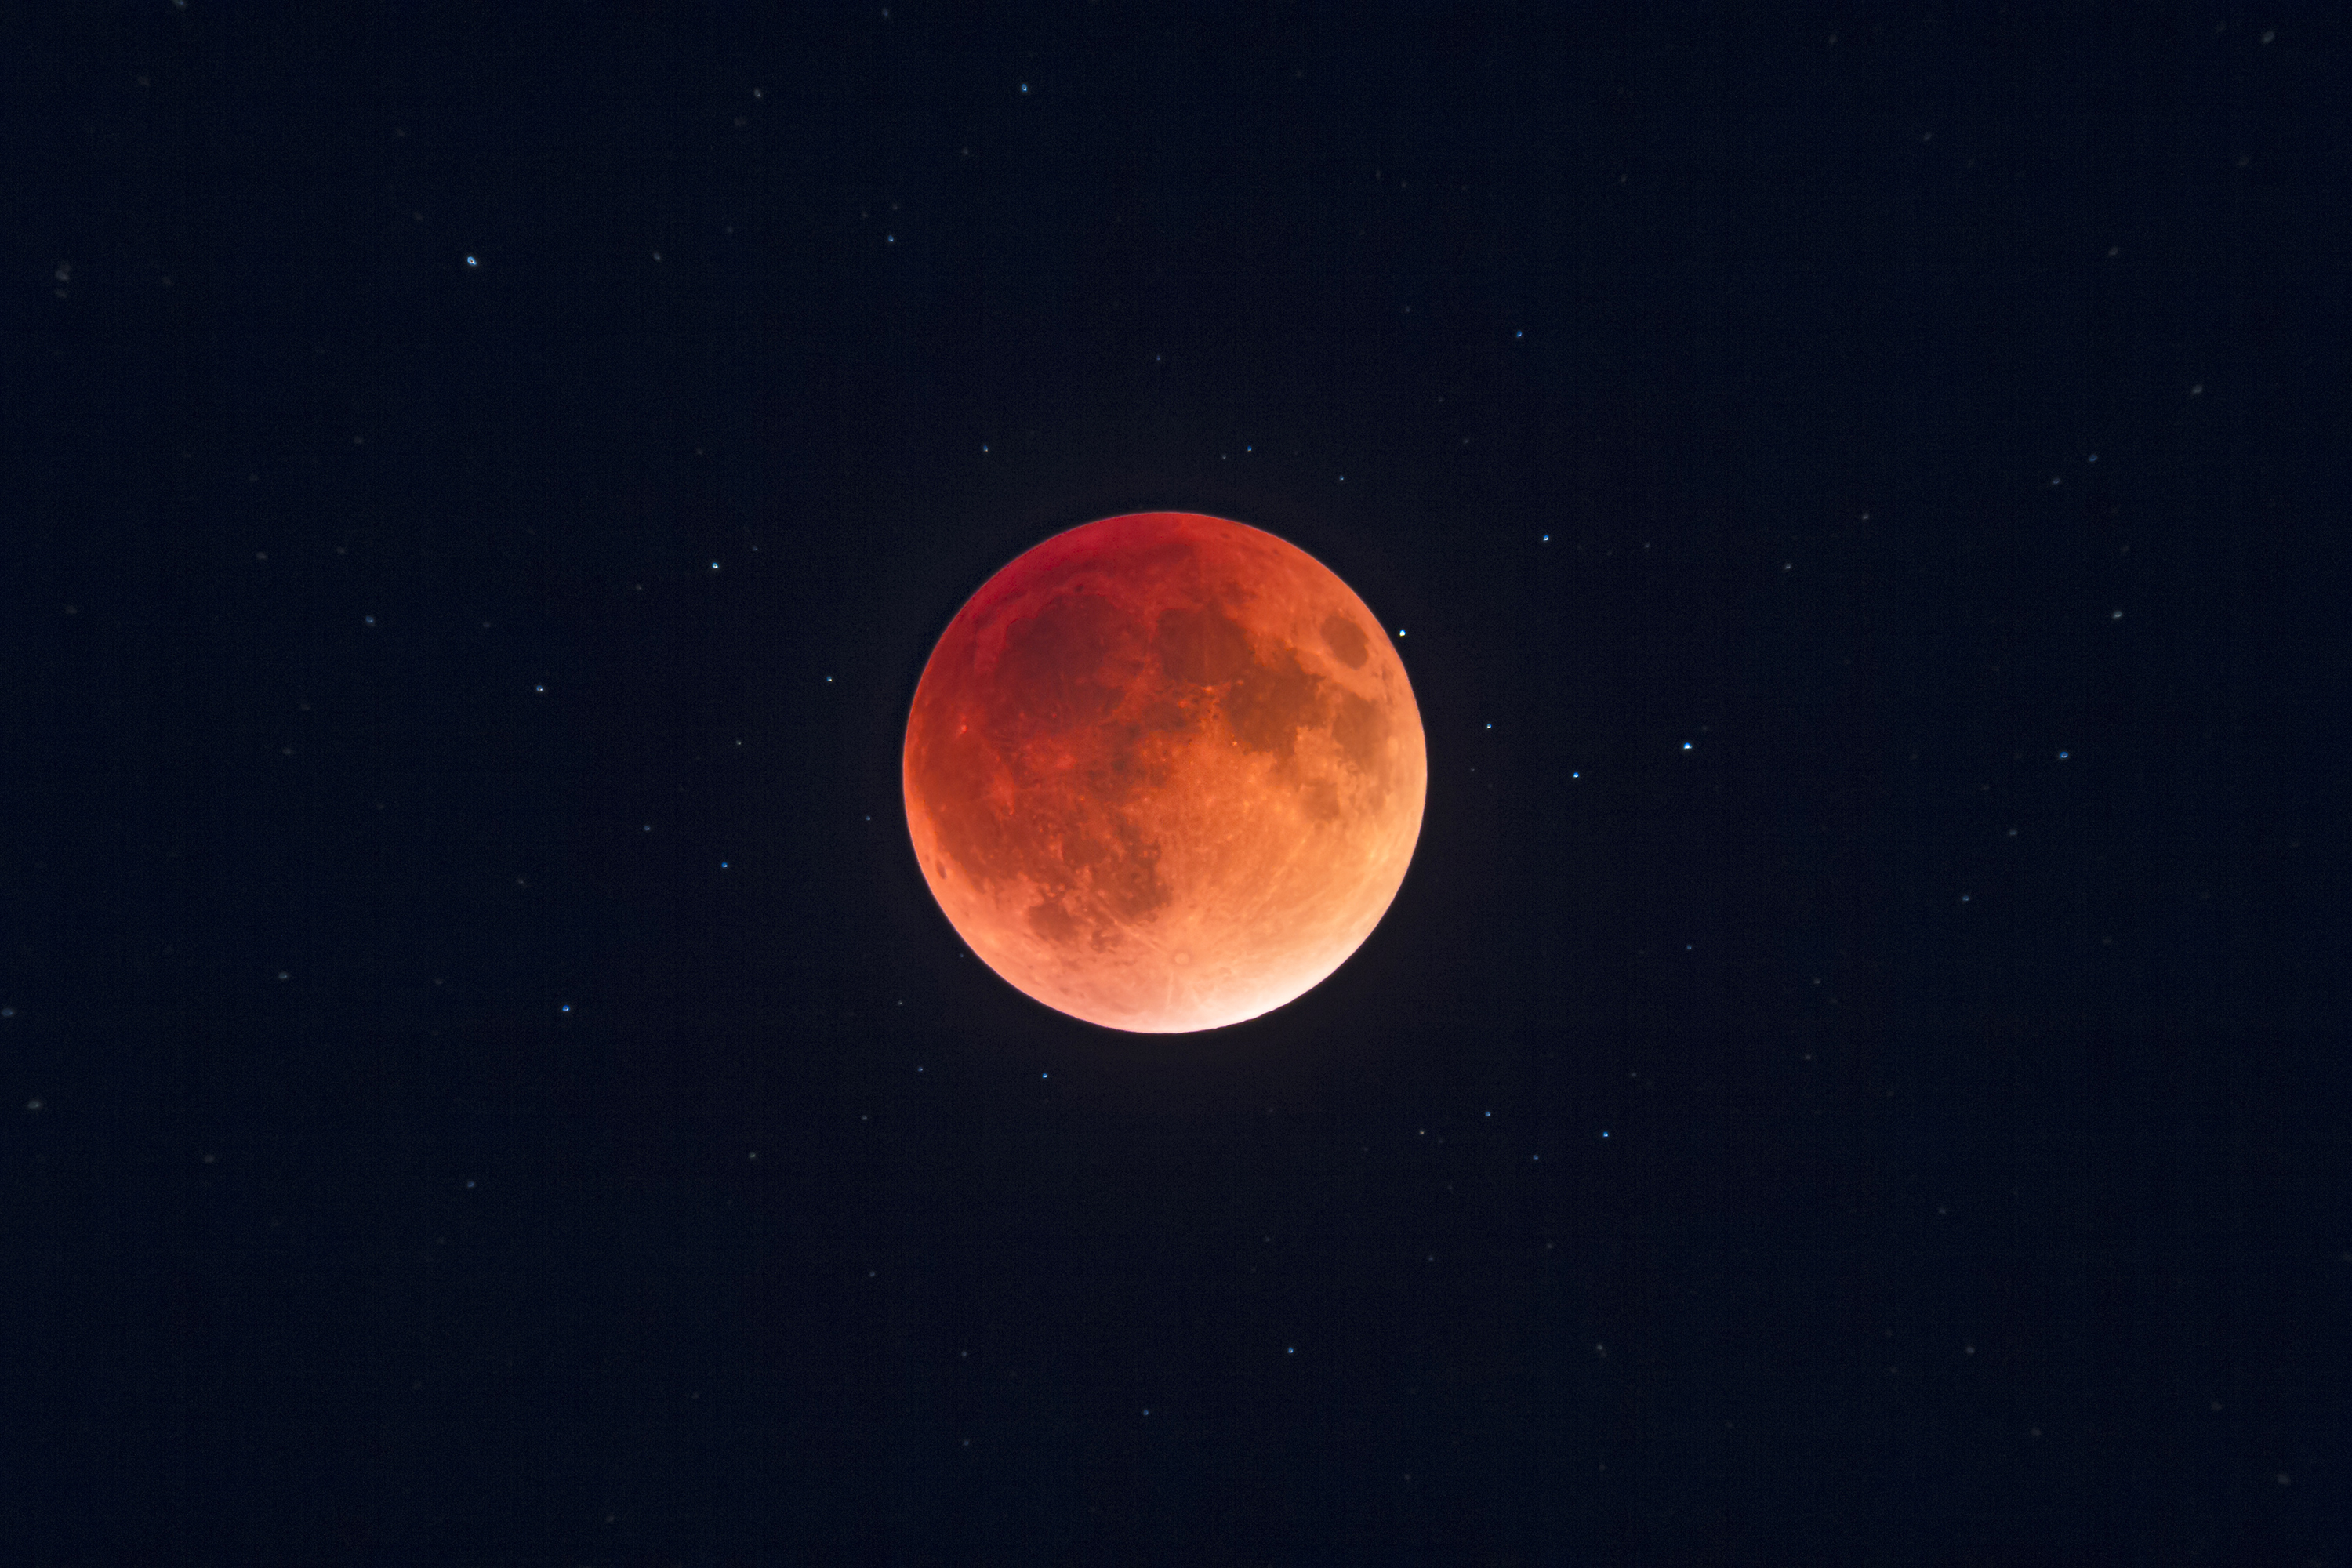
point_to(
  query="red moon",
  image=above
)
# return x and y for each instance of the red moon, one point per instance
(1164, 773)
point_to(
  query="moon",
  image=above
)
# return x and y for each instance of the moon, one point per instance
(1164, 773)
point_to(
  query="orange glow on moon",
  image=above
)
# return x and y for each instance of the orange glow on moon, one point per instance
(1164, 773)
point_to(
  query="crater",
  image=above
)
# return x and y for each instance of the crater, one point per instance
(1346, 640)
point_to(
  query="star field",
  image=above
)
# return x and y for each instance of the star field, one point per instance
(1848, 1074)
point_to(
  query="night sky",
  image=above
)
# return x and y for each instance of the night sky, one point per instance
(1854, 1072)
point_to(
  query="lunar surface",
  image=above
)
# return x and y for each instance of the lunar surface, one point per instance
(1164, 773)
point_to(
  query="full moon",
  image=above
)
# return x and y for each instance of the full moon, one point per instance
(1164, 773)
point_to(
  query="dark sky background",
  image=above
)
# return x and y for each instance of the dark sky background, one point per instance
(1854, 1073)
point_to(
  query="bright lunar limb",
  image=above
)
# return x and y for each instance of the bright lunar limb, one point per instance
(1163, 771)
